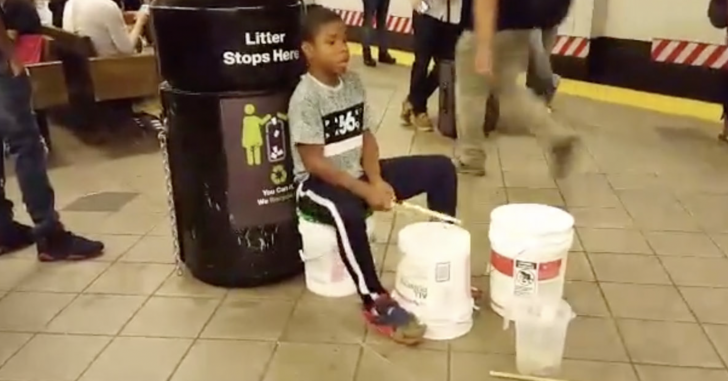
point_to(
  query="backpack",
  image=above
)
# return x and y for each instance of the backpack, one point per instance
(718, 13)
(545, 14)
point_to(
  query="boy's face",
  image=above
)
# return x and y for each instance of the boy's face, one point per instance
(329, 50)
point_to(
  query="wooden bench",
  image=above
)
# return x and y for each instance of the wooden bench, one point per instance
(124, 77)
(49, 85)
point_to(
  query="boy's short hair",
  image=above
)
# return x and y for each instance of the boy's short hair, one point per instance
(317, 16)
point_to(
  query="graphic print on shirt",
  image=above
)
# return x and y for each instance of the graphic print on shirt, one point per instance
(343, 130)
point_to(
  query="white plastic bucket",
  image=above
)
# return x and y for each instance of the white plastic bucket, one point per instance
(433, 278)
(532, 242)
(541, 336)
(325, 272)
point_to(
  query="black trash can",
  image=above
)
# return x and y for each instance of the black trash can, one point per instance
(227, 135)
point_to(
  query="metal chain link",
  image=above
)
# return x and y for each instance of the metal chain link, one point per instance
(161, 127)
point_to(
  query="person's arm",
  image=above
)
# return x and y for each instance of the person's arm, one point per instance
(7, 49)
(370, 157)
(125, 42)
(307, 132)
(485, 16)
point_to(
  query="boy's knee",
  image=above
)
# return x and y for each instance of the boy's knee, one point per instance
(440, 165)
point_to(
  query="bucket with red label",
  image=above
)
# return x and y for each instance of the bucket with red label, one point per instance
(530, 246)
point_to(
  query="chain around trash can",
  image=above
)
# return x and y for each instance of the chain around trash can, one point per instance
(161, 128)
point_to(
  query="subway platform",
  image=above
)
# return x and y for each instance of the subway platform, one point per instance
(648, 274)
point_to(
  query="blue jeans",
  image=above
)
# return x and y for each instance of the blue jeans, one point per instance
(375, 10)
(19, 130)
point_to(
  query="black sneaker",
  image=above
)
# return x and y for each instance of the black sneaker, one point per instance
(62, 245)
(15, 237)
(387, 59)
(369, 61)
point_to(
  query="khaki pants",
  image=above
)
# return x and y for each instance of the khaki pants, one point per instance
(510, 58)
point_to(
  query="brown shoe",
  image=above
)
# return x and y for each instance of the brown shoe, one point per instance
(422, 122)
(406, 113)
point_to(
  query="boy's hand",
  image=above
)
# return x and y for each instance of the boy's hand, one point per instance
(384, 187)
(379, 198)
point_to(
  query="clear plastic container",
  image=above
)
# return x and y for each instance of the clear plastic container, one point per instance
(540, 336)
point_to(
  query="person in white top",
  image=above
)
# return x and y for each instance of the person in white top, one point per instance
(103, 22)
(436, 25)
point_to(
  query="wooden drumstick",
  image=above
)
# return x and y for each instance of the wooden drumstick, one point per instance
(429, 213)
(519, 377)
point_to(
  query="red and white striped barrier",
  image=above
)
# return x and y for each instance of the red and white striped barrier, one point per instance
(690, 53)
(568, 46)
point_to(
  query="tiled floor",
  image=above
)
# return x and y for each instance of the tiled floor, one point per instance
(648, 275)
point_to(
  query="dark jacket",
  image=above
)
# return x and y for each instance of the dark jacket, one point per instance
(21, 16)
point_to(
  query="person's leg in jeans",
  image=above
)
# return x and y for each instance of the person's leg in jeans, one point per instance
(433, 175)
(472, 91)
(541, 78)
(381, 17)
(19, 130)
(347, 214)
(422, 83)
(510, 59)
(370, 10)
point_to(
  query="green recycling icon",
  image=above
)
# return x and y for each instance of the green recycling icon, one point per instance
(278, 174)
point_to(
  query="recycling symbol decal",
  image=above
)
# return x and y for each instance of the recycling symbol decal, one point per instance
(278, 174)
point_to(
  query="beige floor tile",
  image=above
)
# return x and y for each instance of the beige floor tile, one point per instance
(486, 324)
(613, 241)
(664, 373)
(138, 358)
(382, 231)
(666, 343)
(291, 289)
(710, 305)
(593, 370)
(225, 360)
(84, 222)
(326, 320)
(608, 218)
(635, 181)
(313, 362)
(646, 302)
(579, 268)
(185, 285)
(628, 268)
(151, 249)
(586, 299)
(30, 311)
(131, 279)
(96, 314)
(722, 241)
(63, 277)
(528, 179)
(594, 339)
(171, 317)
(682, 244)
(718, 335)
(705, 272)
(535, 196)
(253, 319)
(115, 245)
(10, 343)
(390, 363)
(54, 357)
(130, 222)
(14, 271)
(466, 366)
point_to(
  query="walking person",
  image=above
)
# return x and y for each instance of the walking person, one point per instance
(490, 54)
(540, 75)
(436, 30)
(18, 129)
(718, 16)
(376, 11)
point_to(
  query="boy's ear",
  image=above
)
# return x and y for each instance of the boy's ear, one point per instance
(307, 48)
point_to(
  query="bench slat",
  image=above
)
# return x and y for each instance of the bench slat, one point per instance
(124, 77)
(49, 85)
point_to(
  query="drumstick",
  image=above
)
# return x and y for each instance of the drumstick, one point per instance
(429, 213)
(518, 377)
